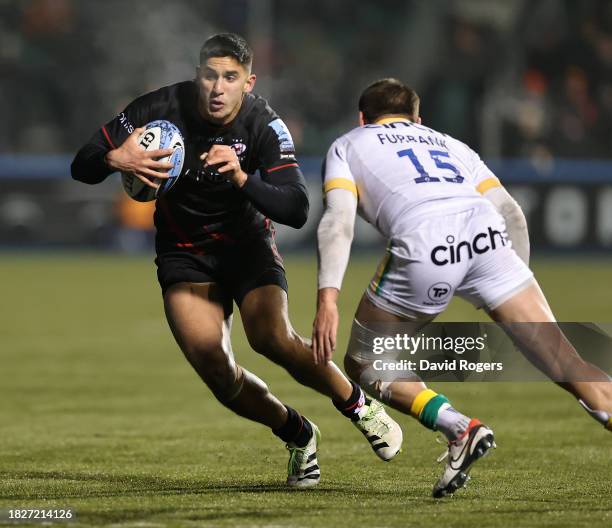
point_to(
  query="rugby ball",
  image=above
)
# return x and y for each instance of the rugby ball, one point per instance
(157, 135)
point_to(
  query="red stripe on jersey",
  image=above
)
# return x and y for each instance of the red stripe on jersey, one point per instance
(108, 137)
(186, 242)
(282, 167)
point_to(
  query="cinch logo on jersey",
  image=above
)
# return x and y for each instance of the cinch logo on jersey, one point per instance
(481, 243)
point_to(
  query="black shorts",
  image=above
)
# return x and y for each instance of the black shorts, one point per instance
(237, 268)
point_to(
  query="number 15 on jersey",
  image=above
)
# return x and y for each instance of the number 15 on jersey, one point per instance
(437, 157)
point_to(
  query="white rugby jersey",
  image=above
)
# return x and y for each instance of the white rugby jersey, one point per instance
(402, 172)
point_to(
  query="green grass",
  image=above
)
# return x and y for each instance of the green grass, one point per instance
(100, 412)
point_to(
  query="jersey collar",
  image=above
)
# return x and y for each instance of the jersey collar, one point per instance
(386, 120)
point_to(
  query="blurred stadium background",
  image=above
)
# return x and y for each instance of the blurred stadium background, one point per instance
(516, 80)
(98, 409)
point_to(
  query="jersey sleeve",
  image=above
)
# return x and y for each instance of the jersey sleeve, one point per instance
(276, 149)
(279, 191)
(88, 165)
(336, 172)
(136, 114)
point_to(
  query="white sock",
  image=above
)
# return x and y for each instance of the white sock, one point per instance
(451, 423)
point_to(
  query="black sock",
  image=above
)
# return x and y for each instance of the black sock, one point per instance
(296, 430)
(351, 407)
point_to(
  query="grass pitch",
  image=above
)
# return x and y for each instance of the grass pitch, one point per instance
(100, 413)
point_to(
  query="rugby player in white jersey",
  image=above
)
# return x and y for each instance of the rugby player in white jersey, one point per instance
(448, 220)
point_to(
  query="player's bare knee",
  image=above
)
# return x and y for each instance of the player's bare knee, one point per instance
(204, 352)
(272, 344)
(259, 343)
(213, 361)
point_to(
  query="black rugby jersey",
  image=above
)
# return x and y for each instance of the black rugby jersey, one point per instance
(203, 211)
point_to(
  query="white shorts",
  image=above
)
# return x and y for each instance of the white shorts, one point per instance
(466, 253)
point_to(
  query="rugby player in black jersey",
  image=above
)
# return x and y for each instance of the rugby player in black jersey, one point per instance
(215, 243)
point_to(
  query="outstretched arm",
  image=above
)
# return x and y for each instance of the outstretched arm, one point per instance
(334, 238)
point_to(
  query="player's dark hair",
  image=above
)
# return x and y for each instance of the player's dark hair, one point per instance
(388, 97)
(227, 45)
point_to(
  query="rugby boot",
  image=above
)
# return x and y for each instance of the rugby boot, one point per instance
(383, 433)
(475, 443)
(303, 468)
